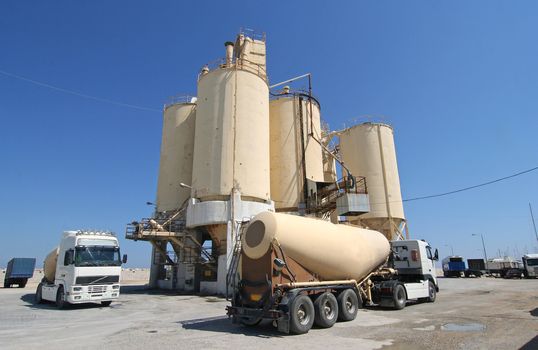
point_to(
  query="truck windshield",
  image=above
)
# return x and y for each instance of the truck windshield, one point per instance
(532, 262)
(97, 256)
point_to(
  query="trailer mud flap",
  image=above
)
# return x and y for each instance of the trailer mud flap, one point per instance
(283, 323)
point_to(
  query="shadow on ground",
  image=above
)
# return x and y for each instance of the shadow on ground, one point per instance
(29, 299)
(223, 324)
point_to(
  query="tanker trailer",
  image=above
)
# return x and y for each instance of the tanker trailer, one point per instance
(298, 271)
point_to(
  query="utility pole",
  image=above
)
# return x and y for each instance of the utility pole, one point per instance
(484, 247)
(533, 223)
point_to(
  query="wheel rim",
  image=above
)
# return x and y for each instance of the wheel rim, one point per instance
(350, 307)
(302, 315)
(328, 309)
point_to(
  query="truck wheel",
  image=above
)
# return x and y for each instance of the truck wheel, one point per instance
(250, 321)
(22, 284)
(60, 298)
(39, 294)
(348, 305)
(399, 297)
(432, 294)
(301, 315)
(326, 310)
(106, 303)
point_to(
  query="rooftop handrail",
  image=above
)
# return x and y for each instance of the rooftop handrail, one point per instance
(238, 63)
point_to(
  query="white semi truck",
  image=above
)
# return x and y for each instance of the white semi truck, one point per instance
(299, 271)
(84, 268)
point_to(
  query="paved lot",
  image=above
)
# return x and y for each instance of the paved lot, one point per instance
(468, 314)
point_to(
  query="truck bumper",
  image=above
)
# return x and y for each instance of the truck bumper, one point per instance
(242, 314)
(104, 293)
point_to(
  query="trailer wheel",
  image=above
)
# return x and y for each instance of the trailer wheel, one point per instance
(60, 298)
(348, 305)
(250, 321)
(399, 297)
(22, 284)
(301, 315)
(326, 308)
(39, 294)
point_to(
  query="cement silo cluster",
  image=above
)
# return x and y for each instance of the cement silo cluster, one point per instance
(242, 147)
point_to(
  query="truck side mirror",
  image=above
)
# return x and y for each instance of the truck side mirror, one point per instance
(436, 255)
(124, 259)
(69, 257)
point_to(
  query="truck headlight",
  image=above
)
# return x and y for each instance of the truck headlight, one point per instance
(116, 287)
(77, 289)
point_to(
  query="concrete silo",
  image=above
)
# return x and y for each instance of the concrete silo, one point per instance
(368, 150)
(231, 148)
(230, 175)
(177, 148)
(294, 123)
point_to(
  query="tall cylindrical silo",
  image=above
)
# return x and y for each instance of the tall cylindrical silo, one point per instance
(177, 148)
(231, 147)
(368, 150)
(287, 172)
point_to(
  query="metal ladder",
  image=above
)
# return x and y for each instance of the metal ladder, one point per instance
(231, 275)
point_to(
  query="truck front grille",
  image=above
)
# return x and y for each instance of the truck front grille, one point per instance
(96, 289)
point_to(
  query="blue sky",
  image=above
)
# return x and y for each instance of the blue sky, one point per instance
(458, 80)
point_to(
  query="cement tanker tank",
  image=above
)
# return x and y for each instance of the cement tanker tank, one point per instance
(49, 265)
(329, 251)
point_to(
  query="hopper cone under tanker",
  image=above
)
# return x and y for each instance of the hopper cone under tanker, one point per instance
(332, 252)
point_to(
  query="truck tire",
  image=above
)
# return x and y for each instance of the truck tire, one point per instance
(348, 305)
(399, 296)
(432, 294)
(23, 284)
(39, 294)
(301, 315)
(60, 298)
(326, 310)
(250, 321)
(7, 284)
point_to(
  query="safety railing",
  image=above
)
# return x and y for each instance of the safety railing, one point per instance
(172, 100)
(238, 63)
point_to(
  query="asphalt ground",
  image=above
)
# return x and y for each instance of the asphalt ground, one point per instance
(476, 313)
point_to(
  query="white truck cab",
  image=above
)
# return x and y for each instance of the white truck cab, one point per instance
(530, 265)
(86, 267)
(415, 277)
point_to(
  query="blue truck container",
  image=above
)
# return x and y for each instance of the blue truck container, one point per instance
(453, 266)
(18, 271)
